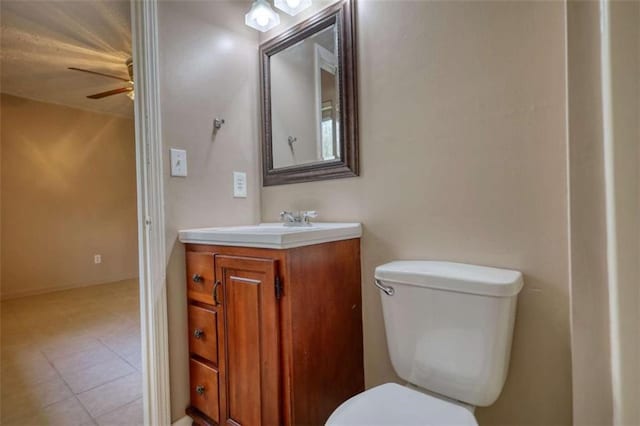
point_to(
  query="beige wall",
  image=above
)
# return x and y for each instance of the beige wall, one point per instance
(68, 192)
(592, 404)
(463, 153)
(208, 68)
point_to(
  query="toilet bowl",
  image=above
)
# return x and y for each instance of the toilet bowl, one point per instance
(392, 404)
(449, 328)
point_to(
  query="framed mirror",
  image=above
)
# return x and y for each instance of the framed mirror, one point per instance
(309, 99)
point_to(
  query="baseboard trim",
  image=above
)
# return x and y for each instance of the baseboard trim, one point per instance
(38, 292)
(185, 421)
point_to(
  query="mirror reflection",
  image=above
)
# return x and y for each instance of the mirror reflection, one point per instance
(305, 101)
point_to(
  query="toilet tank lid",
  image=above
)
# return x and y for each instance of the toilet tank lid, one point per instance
(450, 276)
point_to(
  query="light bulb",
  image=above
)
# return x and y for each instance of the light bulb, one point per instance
(292, 7)
(261, 16)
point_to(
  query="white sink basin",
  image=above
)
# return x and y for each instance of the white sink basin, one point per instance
(272, 235)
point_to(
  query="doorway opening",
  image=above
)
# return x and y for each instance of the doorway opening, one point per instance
(71, 336)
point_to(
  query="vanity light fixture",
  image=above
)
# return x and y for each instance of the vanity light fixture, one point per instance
(292, 7)
(261, 16)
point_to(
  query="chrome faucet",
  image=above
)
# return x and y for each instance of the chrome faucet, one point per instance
(298, 218)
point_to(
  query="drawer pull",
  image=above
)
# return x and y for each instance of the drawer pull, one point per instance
(200, 390)
(197, 333)
(215, 293)
(197, 278)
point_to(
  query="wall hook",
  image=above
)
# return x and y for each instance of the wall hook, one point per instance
(217, 123)
(291, 140)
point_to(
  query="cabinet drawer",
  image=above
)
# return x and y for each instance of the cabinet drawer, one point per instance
(204, 389)
(200, 277)
(203, 333)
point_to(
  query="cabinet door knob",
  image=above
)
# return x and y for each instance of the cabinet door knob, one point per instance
(197, 333)
(197, 278)
(200, 390)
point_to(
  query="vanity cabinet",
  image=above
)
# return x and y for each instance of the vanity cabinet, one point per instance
(275, 335)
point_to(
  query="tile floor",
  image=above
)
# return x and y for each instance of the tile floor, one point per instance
(72, 358)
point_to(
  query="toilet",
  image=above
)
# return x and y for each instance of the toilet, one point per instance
(449, 328)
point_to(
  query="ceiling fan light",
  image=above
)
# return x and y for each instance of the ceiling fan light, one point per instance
(261, 16)
(292, 7)
(131, 95)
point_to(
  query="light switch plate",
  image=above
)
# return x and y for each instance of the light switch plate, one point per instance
(239, 185)
(178, 162)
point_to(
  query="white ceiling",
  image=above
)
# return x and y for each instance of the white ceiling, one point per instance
(40, 39)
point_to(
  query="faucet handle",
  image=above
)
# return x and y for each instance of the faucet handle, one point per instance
(287, 217)
(310, 214)
(307, 215)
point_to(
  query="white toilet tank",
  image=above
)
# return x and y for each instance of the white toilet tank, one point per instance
(449, 326)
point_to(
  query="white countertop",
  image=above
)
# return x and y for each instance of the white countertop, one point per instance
(272, 235)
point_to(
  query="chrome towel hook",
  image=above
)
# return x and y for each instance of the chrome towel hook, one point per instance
(388, 290)
(217, 123)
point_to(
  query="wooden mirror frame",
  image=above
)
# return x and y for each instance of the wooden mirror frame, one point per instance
(343, 15)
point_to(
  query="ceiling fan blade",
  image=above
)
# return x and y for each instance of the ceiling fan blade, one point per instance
(99, 73)
(111, 93)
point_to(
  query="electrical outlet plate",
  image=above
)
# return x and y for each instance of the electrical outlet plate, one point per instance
(239, 185)
(97, 259)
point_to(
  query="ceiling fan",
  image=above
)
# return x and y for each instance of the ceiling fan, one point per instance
(128, 90)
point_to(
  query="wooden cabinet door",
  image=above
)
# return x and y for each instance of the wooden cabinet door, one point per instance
(249, 336)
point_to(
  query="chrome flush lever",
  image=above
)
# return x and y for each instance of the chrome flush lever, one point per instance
(388, 290)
